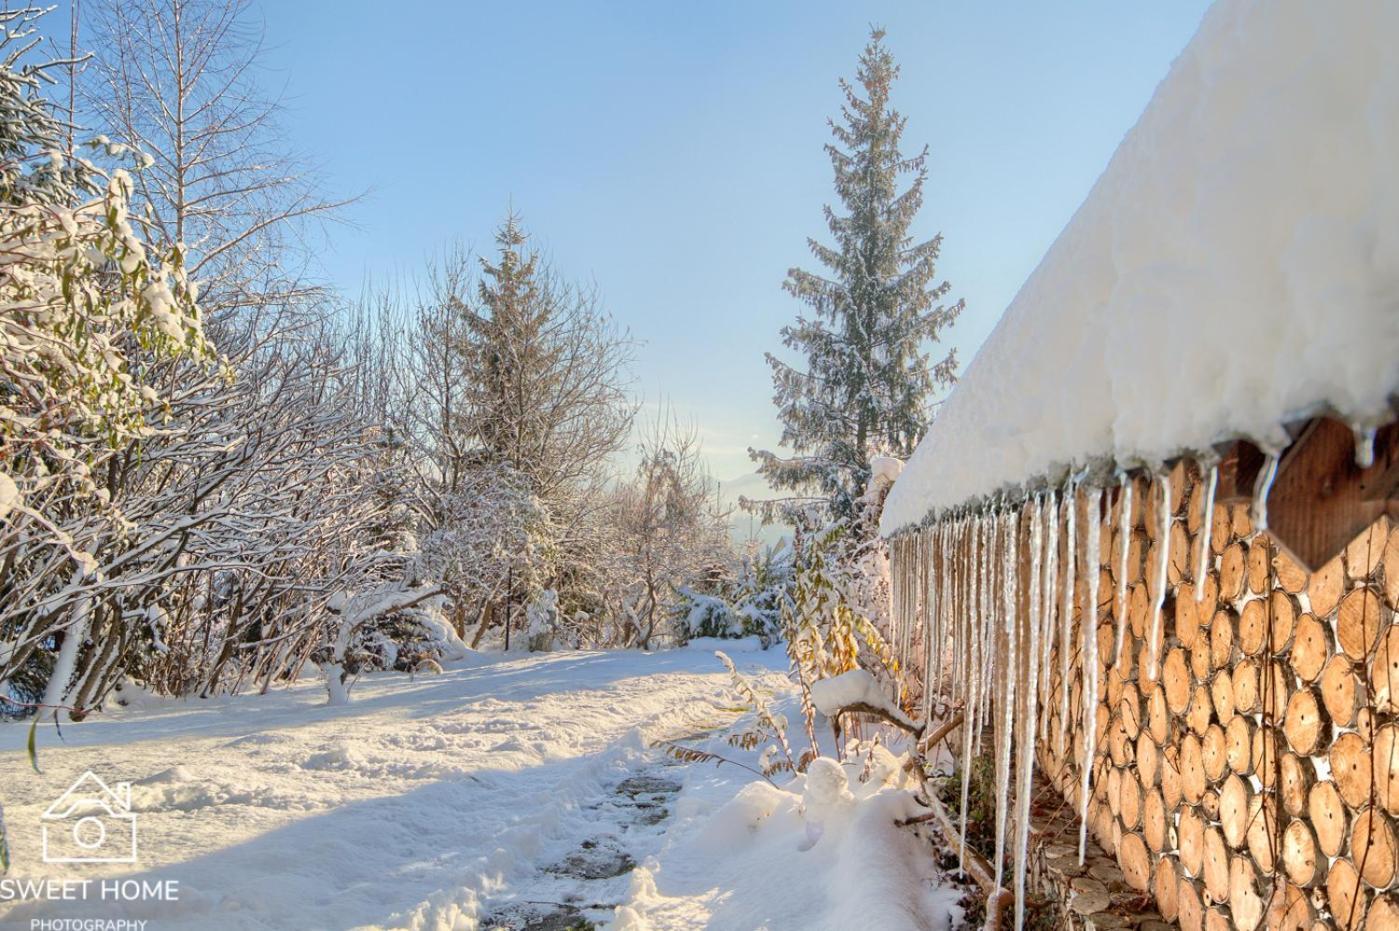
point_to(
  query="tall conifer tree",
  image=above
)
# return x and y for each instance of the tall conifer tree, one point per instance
(868, 379)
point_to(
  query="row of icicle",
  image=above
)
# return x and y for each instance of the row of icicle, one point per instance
(987, 633)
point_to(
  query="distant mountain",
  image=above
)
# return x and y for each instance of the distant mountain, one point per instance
(742, 525)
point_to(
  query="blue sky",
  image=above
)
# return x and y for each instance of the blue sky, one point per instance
(671, 153)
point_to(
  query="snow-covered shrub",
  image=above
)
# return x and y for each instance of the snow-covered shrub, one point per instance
(91, 310)
(701, 615)
(357, 618)
(542, 621)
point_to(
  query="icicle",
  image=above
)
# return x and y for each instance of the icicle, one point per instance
(1007, 692)
(990, 622)
(1262, 490)
(969, 706)
(1025, 767)
(1163, 562)
(931, 631)
(1066, 613)
(1090, 668)
(1126, 534)
(1364, 447)
(1048, 590)
(1206, 532)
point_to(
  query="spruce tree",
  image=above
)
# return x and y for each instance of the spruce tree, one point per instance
(868, 379)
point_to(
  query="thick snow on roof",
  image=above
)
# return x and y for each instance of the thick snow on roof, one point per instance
(1236, 266)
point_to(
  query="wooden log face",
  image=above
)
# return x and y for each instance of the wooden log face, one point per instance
(1289, 909)
(1301, 859)
(1390, 562)
(1187, 615)
(1238, 745)
(1135, 861)
(1234, 798)
(1165, 885)
(1364, 553)
(1304, 722)
(1215, 869)
(1338, 690)
(1350, 768)
(1130, 708)
(1138, 609)
(1232, 572)
(1130, 802)
(1190, 838)
(1176, 679)
(1266, 752)
(1178, 566)
(1172, 790)
(1298, 776)
(1200, 663)
(1325, 586)
(1345, 896)
(1197, 716)
(1158, 718)
(1372, 847)
(1327, 814)
(1245, 901)
(1311, 648)
(1358, 622)
(1222, 696)
(1386, 768)
(1222, 638)
(1148, 760)
(1214, 753)
(1384, 914)
(1283, 611)
(1189, 911)
(1245, 679)
(1292, 576)
(1154, 821)
(1384, 672)
(1262, 832)
(1192, 769)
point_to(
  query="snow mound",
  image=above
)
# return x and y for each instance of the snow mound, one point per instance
(1236, 266)
(824, 852)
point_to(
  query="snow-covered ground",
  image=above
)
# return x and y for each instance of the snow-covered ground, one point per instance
(503, 792)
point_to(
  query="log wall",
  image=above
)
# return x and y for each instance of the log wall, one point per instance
(1250, 776)
(1246, 772)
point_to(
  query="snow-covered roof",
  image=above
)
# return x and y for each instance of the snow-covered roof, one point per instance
(1235, 267)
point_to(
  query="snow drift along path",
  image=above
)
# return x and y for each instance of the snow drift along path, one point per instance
(420, 804)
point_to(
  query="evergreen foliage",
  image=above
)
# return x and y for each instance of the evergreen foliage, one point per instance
(868, 380)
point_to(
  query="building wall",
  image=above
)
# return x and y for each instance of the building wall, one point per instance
(1246, 770)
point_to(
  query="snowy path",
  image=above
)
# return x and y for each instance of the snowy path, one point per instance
(427, 803)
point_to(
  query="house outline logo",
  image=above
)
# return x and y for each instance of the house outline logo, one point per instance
(90, 822)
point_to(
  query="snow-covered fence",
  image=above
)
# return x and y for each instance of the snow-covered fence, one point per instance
(1239, 727)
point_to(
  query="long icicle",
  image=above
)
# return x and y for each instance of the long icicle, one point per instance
(1125, 532)
(1089, 699)
(989, 626)
(968, 722)
(1025, 767)
(1206, 532)
(1163, 562)
(1048, 591)
(1066, 616)
(1007, 679)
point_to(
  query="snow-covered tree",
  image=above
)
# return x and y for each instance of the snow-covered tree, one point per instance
(866, 381)
(672, 536)
(91, 309)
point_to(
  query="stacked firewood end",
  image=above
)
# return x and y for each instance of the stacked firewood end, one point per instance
(1250, 776)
